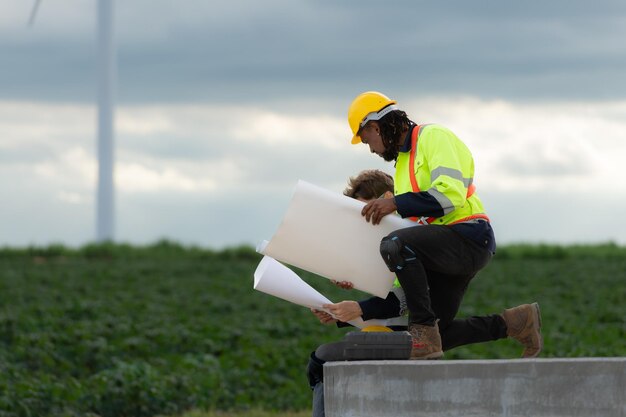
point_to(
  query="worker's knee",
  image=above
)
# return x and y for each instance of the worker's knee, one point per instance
(315, 370)
(332, 351)
(395, 253)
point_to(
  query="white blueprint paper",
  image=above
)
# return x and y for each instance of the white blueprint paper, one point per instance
(323, 232)
(273, 278)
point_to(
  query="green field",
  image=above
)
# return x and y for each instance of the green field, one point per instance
(115, 330)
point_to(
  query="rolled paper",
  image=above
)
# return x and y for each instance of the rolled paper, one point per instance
(274, 278)
(271, 277)
(324, 233)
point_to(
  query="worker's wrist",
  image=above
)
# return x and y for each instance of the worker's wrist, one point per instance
(358, 308)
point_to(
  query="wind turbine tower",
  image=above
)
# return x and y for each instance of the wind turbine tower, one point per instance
(106, 69)
(105, 211)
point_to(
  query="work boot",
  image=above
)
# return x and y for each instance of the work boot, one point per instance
(426, 341)
(523, 323)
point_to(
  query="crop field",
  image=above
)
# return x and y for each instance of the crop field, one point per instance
(116, 330)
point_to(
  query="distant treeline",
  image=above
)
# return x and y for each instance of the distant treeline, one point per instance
(172, 248)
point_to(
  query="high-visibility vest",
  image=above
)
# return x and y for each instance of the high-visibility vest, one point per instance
(440, 164)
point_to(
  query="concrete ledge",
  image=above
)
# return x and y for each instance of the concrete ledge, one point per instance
(581, 387)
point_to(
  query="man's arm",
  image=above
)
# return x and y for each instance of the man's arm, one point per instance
(381, 308)
(371, 308)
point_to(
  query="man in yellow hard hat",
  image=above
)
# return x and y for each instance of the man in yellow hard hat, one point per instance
(435, 260)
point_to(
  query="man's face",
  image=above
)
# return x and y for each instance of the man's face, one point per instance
(370, 135)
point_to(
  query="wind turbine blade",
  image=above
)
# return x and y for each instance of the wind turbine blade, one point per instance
(33, 13)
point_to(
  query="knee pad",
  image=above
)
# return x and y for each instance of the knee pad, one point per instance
(395, 254)
(315, 370)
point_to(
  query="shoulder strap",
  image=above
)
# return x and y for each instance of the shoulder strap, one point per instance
(414, 186)
(414, 135)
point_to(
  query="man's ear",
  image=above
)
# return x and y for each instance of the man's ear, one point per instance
(388, 194)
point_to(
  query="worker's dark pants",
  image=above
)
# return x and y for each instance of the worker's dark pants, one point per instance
(314, 371)
(434, 283)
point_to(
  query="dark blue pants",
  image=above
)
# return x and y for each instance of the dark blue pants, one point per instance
(436, 280)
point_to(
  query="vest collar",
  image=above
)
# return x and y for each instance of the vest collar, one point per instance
(406, 145)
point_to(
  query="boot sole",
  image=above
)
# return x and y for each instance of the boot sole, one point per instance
(431, 356)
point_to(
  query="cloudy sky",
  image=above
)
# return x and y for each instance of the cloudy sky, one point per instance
(223, 106)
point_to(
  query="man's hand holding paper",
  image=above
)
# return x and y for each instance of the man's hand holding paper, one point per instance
(375, 210)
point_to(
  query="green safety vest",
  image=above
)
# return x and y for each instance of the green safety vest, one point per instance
(441, 165)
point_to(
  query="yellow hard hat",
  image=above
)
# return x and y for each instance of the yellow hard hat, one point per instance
(367, 106)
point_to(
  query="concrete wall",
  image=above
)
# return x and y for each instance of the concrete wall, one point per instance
(583, 387)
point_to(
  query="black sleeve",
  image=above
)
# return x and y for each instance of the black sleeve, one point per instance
(380, 308)
(417, 205)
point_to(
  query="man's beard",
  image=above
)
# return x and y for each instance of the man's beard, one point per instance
(390, 154)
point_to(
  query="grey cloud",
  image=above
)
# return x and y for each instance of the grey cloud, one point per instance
(48, 71)
(23, 156)
(279, 167)
(570, 163)
(242, 52)
(172, 147)
(204, 219)
(554, 217)
(518, 167)
(35, 215)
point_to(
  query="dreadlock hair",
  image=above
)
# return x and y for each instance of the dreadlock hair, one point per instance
(392, 126)
(369, 185)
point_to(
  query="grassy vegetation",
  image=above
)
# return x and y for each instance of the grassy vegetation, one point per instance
(115, 330)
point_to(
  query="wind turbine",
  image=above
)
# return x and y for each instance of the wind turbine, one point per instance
(105, 224)
(106, 68)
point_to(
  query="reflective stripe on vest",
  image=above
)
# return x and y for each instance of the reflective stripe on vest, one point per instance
(416, 189)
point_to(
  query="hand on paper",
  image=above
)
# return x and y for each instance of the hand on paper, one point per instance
(345, 310)
(377, 209)
(323, 316)
(346, 285)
